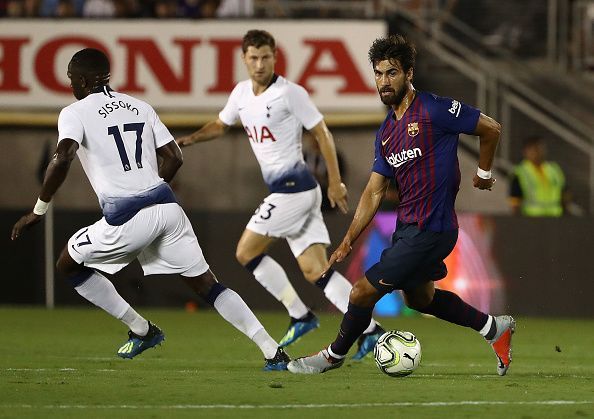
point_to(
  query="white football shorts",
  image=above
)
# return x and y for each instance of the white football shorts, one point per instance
(296, 217)
(160, 236)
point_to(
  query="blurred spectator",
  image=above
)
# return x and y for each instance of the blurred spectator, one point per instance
(235, 8)
(271, 8)
(538, 187)
(189, 8)
(127, 8)
(31, 8)
(14, 8)
(208, 9)
(165, 8)
(66, 8)
(99, 8)
(204, 9)
(22, 8)
(61, 8)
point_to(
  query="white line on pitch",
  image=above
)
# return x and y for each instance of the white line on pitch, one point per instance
(415, 376)
(308, 406)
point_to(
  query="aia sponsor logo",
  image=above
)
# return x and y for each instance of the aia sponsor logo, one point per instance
(259, 135)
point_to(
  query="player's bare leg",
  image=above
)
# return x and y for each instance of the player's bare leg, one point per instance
(337, 288)
(233, 309)
(97, 289)
(448, 306)
(251, 254)
(363, 298)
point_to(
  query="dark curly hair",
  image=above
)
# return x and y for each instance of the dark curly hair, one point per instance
(257, 38)
(393, 48)
(91, 60)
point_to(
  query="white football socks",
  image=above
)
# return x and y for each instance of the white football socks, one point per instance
(273, 277)
(101, 292)
(135, 322)
(337, 290)
(233, 309)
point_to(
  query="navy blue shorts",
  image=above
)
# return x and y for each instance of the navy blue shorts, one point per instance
(416, 256)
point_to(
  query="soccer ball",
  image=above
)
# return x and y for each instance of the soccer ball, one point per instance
(397, 353)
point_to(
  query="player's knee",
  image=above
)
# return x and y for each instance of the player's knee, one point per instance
(243, 256)
(312, 273)
(417, 301)
(363, 294)
(202, 284)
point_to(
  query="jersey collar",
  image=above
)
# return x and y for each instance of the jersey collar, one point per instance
(105, 89)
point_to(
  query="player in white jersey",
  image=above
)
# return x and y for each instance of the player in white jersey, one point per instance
(273, 112)
(118, 138)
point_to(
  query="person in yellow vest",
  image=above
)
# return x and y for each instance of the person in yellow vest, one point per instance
(538, 187)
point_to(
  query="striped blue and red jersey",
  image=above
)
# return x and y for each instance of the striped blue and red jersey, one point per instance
(420, 152)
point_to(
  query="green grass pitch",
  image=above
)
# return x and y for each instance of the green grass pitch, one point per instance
(62, 364)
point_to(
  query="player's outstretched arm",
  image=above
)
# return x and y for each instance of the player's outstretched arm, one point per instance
(368, 204)
(489, 132)
(56, 172)
(210, 131)
(337, 191)
(171, 159)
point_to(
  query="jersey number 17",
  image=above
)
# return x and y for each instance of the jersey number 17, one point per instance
(117, 136)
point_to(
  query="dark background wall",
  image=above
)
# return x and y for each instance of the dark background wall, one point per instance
(546, 264)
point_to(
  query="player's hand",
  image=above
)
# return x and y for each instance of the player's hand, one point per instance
(24, 223)
(184, 141)
(339, 254)
(485, 184)
(338, 195)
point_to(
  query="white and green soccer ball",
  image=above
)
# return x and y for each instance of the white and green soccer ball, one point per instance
(397, 353)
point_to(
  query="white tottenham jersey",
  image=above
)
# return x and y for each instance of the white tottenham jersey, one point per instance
(274, 122)
(118, 137)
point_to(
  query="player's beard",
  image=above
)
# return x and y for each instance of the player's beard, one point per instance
(395, 99)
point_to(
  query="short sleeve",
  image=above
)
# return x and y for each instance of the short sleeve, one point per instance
(379, 163)
(160, 131)
(453, 116)
(70, 126)
(230, 113)
(301, 105)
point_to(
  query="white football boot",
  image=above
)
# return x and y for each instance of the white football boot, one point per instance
(315, 364)
(501, 342)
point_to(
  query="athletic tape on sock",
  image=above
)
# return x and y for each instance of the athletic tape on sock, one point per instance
(214, 292)
(253, 264)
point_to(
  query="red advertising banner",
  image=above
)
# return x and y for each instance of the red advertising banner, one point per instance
(185, 65)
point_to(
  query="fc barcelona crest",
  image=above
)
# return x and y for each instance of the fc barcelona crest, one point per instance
(413, 129)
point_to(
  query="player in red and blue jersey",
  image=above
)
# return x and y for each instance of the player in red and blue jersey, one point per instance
(416, 145)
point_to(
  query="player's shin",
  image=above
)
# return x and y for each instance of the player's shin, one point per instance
(96, 288)
(354, 322)
(273, 277)
(233, 309)
(337, 290)
(449, 307)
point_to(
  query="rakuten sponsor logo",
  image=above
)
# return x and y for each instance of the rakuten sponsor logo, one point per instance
(403, 156)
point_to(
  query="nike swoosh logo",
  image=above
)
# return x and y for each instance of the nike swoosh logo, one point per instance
(385, 142)
(381, 282)
(400, 164)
